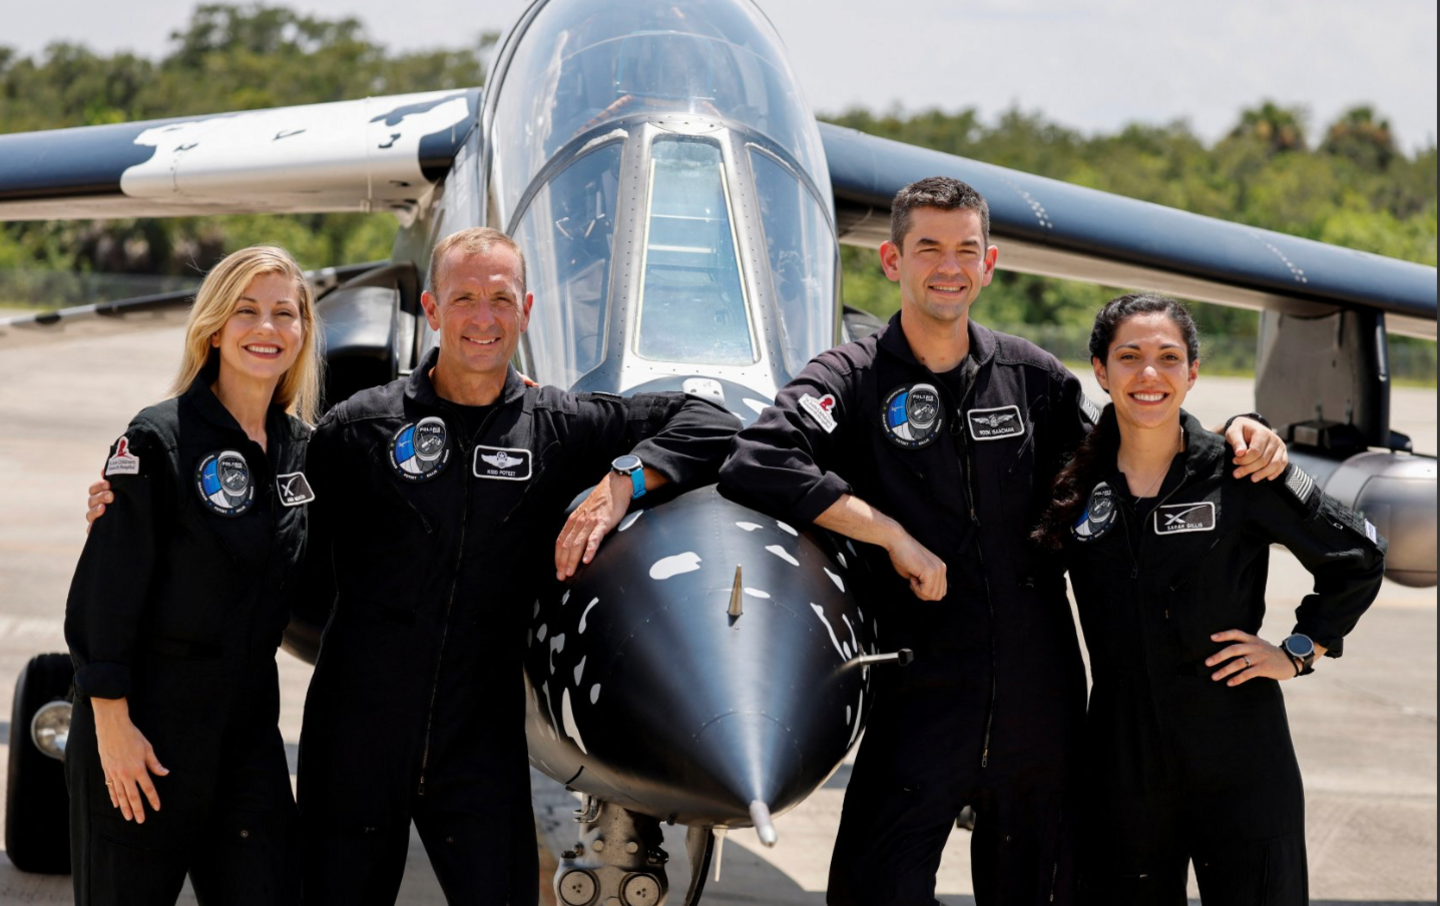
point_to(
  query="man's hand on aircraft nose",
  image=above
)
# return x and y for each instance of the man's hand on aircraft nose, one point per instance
(925, 571)
(596, 515)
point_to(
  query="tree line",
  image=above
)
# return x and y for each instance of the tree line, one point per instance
(1345, 182)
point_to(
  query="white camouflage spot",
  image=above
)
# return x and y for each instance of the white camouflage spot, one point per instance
(787, 529)
(848, 709)
(540, 633)
(840, 555)
(859, 709)
(564, 598)
(549, 709)
(536, 612)
(594, 693)
(586, 613)
(580, 670)
(820, 612)
(750, 526)
(568, 714)
(757, 593)
(782, 553)
(629, 520)
(839, 583)
(556, 644)
(675, 565)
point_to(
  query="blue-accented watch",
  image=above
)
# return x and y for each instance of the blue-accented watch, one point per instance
(630, 465)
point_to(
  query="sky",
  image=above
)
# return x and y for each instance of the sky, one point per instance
(1094, 66)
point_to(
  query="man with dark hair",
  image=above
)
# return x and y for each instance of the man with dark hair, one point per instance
(935, 441)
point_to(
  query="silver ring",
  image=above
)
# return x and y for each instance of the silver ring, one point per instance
(1247, 660)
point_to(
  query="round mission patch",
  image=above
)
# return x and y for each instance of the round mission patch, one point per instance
(913, 416)
(223, 481)
(420, 450)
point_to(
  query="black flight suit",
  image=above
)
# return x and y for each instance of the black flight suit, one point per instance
(990, 711)
(178, 604)
(1179, 766)
(440, 526)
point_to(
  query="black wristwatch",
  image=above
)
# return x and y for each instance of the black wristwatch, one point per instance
(1301, 649)
(630, 466)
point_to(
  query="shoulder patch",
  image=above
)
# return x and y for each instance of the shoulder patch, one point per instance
(821, 410)
(995, 424)
(1299, 483)
(123, 462)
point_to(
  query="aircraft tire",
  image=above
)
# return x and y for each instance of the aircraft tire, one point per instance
(37, 806)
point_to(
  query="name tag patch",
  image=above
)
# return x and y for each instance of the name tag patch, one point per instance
(821, 410)
(123, 462)
(1178, 518)
(294, 489)
(995, 424)
(502, 463)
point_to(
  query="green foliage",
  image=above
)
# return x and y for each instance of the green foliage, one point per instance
(226, 58)
(1355, 189)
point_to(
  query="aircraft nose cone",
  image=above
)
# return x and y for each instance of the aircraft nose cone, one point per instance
(671, 686)
(748, 758)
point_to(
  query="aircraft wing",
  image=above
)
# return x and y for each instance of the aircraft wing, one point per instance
(374, 154)
(1044, 226)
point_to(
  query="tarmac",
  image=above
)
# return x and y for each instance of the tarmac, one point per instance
(1364, 726)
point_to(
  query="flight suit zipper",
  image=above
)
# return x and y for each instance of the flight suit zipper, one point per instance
(450, 603)
(967, 470)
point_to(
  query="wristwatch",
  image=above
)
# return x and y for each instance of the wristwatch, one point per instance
(630, 465)
(1301, 649)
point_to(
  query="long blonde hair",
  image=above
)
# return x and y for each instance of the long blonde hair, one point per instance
(299, 388)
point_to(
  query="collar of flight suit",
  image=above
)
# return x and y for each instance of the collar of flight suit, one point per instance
(1202, 449)
(204, 401)
(892, 340)
(420, 389)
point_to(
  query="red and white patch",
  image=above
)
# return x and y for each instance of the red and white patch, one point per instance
(123, 462)
(822, 410)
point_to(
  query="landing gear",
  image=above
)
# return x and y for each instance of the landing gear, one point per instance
(37, 806)
(619, 859)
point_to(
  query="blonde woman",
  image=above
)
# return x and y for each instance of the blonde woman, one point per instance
(175, 763)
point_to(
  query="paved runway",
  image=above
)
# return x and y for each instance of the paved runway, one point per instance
(1365, 728)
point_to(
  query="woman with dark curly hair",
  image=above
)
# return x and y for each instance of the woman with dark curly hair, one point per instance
(1188, 755)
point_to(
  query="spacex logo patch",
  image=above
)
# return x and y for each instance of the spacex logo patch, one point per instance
(1177, 518)
(502, 463)
(294, 489)
(995, 424)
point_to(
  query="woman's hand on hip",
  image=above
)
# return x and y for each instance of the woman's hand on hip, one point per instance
(127, 758)
(1248, 658)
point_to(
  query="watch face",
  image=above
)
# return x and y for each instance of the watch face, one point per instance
(627, 463)
(1299, 646)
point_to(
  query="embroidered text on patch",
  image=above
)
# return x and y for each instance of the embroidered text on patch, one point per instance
(1178, 518)
(821, 410)
(294, 488)
(995, 424)
(502, 463)
(123, 462)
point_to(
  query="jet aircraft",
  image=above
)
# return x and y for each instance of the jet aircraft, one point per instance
(681, 211)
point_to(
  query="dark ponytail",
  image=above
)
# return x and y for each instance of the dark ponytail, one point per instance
(1074, 482)
(1072, 486)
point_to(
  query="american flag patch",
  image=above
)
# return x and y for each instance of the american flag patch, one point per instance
(1300, 483)
(1091, 411)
